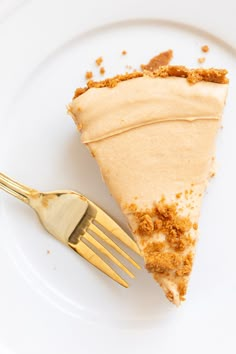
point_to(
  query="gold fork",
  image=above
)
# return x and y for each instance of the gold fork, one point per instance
(74, 220)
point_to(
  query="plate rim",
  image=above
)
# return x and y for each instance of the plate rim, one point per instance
(19, 17)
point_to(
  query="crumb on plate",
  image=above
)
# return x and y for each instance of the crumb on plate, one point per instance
(99, 61)
(161, 59)
(102, 70)
(205, 49)
(201, 60)
(88, 75)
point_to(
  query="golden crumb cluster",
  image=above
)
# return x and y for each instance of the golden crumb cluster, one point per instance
(167, 242)
(164, 218)
(164, 262)
(192, 75)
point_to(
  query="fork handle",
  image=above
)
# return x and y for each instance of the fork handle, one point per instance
(17, 189)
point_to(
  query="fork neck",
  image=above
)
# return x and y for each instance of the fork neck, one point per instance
(17, 189)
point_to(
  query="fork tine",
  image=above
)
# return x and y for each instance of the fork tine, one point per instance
(111, 243)
(108, 223)
(83, 250)
(103, 250)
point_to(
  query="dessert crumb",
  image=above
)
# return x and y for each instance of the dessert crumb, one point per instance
(102, 70)
(48, 251)
(88, 75)
(129, 67)
(99, 61)
(124, 52)
(192, 75)
(201, 60)
(205, 49)
(161, 59)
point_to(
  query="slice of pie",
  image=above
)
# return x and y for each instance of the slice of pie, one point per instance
(153, 136)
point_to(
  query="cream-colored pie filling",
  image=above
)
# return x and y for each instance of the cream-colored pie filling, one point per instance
(154, 141)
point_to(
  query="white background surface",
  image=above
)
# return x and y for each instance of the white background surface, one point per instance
(57, 303)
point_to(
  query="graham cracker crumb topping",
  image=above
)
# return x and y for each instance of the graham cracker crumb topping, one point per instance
(170, 296)
(192, 75)
(167, 241)
(186, 266)
(182, 288)
(165, 219)
(155, 246)
(161, 59)
(132, 208)
(163, 262)
(79, 91)
(146, 225)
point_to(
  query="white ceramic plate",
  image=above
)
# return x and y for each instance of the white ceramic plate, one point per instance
(57, 303)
